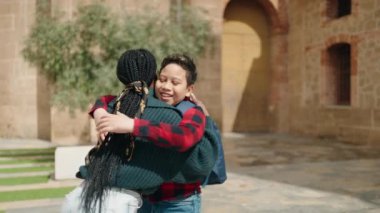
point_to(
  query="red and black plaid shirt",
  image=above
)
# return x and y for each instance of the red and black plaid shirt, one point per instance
(172, 191)
(180, 137)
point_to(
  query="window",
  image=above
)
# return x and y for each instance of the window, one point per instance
(338, 8)
(339, 74)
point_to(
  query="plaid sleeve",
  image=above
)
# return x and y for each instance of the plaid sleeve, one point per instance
(101, 102)
(180, 137)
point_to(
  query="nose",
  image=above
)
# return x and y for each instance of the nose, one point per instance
(166, 86)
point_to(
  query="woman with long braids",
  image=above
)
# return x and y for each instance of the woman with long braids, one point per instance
(122, 166)
(135, 69)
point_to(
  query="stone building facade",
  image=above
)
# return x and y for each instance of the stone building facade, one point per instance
(293, 66)
(313, 109)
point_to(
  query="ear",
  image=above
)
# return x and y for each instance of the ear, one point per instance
(189, 90)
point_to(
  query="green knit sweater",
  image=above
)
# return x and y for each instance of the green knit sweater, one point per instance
(151, 165)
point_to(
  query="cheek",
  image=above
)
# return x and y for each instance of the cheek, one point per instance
(156, 88)
(181, 92)
(157, 85)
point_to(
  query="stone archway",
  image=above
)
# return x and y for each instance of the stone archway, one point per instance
(250, 91)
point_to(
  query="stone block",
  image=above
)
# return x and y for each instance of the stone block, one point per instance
(7, 22)
(8, 7)
(69, 128)
(8, 51)
(354, 135)
(68, 160)
(7, 36)
(25, 123)
(374, 137)
(327, 131)
(376, 118)
(360, 117)
(6, 67)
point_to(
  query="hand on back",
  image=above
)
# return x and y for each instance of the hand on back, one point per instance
(194, 99)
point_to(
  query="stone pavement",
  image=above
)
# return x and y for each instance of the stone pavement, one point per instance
(281, 173)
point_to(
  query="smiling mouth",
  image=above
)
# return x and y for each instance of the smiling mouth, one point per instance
(164, 95)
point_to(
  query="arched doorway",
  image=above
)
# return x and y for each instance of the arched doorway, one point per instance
(246, 72)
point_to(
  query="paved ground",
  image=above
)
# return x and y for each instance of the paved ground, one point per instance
(280, 173)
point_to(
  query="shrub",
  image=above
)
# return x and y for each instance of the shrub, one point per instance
(79, 56)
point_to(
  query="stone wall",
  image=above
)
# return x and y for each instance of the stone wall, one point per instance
(18, 102)
(208, 86)
(25, 108)
(312, 32)
(298, 65)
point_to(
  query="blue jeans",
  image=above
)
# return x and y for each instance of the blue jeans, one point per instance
(190, 204)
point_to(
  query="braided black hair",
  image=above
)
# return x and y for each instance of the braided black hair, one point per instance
(135, 69)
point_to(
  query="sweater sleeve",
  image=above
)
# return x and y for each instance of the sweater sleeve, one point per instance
(180, 137)
(102, 102)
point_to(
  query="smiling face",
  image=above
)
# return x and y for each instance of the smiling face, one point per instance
(171, 85)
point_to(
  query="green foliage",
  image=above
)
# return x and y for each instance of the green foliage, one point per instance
(27, 160)
(23, 180)
(34, 194)
(79, 56)
(35, 168)
(36, 152)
